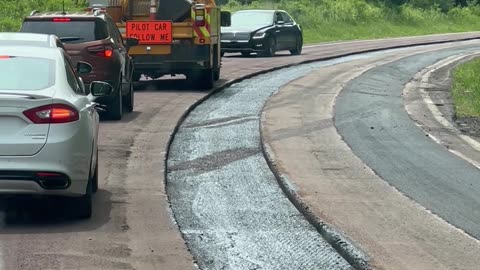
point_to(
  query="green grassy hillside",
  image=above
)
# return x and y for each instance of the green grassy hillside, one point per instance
(13, 11)
(329, 20)
(322, 20)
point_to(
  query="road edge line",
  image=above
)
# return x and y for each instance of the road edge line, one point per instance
(340, 246)
(423, 76)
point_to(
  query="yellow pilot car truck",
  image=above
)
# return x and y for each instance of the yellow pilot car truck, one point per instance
(175, 37)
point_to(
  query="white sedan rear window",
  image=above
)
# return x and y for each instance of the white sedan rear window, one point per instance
(26, 73)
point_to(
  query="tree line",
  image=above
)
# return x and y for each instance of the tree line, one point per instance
(444, 5)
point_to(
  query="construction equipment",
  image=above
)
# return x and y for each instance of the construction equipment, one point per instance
(175, 37)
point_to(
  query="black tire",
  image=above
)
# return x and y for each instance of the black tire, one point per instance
(298, 47)
(130, 98)
(217, 63)
(204, 79)
(245, 53)
(94, 178)
(271, 49)
(136, 76)
(115, 110)
(83, 206)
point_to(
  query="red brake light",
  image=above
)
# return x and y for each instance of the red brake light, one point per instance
(48, 174)
(108, 52)
(61, 19)
(5, 57)
(102, 51)
(52, 114)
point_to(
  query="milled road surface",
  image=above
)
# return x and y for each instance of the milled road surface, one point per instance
(226, 200)
(131, 227)
(321, 170)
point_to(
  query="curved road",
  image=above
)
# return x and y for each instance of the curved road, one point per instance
(371, 117)
(132, 227)
(226, 200)
(335, 181)
(223, 192)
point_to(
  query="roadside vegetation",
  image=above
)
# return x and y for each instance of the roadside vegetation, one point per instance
(13, 11)
(322, 20)
(329, 20)
(466, 89)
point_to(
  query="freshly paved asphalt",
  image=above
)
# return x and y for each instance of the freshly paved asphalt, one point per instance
(371, 118)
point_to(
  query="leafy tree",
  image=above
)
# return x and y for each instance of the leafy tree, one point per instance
(13, 11)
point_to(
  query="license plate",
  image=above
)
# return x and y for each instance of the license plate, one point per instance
(150, 32)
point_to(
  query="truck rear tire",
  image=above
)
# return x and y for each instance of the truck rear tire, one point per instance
(217, 63)
(206, 79)
(201, 79)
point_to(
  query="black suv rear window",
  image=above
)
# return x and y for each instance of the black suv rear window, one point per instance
(69, 31)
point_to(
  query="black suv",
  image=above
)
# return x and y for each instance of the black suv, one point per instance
(94, 38)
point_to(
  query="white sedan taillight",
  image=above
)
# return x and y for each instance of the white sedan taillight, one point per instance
(52, 114)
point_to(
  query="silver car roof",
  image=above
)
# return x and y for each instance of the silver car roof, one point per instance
(28, 39)
(55, 54)
(31, 51)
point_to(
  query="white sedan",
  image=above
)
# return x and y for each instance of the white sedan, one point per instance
(48, 126)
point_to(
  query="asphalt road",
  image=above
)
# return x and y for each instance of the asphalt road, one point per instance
(370, 116)
(332, 184)
(131, 227)
(222, 191)
(226, 200)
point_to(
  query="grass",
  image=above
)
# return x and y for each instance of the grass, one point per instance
(466, 89)
(387, 29)
(336, 20)
(322, 20)
(12, 12)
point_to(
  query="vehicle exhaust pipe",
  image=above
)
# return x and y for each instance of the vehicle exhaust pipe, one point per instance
(50, 180)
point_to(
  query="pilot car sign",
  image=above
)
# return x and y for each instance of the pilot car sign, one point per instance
(150, 32)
